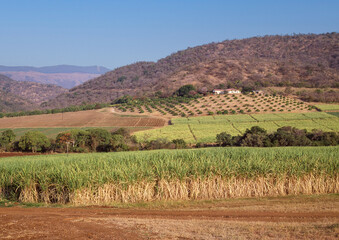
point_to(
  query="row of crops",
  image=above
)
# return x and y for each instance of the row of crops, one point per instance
(204, 129)
(214, 105)
(211, 173)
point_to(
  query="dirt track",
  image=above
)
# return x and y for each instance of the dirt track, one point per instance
(282, 218)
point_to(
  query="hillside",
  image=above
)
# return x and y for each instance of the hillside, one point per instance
(299, 60)
(66, 76)
(17, 96)
(10, 103)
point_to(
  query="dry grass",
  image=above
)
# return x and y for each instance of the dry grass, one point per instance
(197, 189)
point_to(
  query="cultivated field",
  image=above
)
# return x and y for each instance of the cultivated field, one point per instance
(204, 129)
(328, 107)
(214, 104)
(52, 124)
(214, 173)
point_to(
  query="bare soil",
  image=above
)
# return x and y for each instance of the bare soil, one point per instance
(15, 154)
(90, 118)
(308, 217)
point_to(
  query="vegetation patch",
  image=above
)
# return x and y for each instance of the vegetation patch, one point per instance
(205, 128)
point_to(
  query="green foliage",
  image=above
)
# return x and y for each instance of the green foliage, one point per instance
(224, 139)
(98, 138)
(185, 91)
(6, 138)
(34, 141)
(179, 143)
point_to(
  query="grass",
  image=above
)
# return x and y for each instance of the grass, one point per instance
(214, 173)
(204, 129)
(334, 113)
(328, 107)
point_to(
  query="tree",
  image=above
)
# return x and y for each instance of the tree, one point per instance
(6, 138)
(255, 137)
(290, 136)
(97, 137)
(80, 140)
(34, 141)
(224, 139)
(185, 91)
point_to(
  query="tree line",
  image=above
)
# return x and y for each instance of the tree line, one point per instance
(80, 141)
(56, 110)
(101, 140)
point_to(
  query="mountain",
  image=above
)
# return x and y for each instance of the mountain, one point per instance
(17, 96)
(66, 76)
(310, 60)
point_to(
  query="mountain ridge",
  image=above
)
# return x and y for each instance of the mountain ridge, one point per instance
(305, 60)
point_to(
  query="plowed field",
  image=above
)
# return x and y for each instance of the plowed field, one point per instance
(91, 118)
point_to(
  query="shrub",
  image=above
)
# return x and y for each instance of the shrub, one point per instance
(179, 143)
(224, 139)
(7, 137)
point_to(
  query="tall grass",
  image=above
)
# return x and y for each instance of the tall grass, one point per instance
(170, 174)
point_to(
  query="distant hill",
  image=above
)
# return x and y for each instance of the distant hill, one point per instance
(300, 60)
(56, 69)
(17, 96)
(66, 76)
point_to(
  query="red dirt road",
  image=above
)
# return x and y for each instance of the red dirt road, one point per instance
(16, 154)
(280, 218)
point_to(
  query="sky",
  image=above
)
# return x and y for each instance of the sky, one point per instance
(114, 33)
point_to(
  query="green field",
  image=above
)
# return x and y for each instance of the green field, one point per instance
(328, 107)
(164, 173)
(205, 129)
(53, 132)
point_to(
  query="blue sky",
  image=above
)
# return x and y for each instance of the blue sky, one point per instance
(115, 33)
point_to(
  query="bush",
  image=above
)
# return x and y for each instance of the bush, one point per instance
(7, 137)
(185, 91)
(224, 139)
(290, 136)
(159, 143)
(179, 143)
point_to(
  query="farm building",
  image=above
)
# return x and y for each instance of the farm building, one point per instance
(232, 91)
(218, 91)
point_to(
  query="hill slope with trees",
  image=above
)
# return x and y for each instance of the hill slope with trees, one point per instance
(20, 96)
(299, 60)
(66, 76)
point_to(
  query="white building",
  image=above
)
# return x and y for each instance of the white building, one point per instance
(218, 91)
(232, 91)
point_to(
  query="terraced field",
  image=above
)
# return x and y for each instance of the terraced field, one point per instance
(204, 129)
